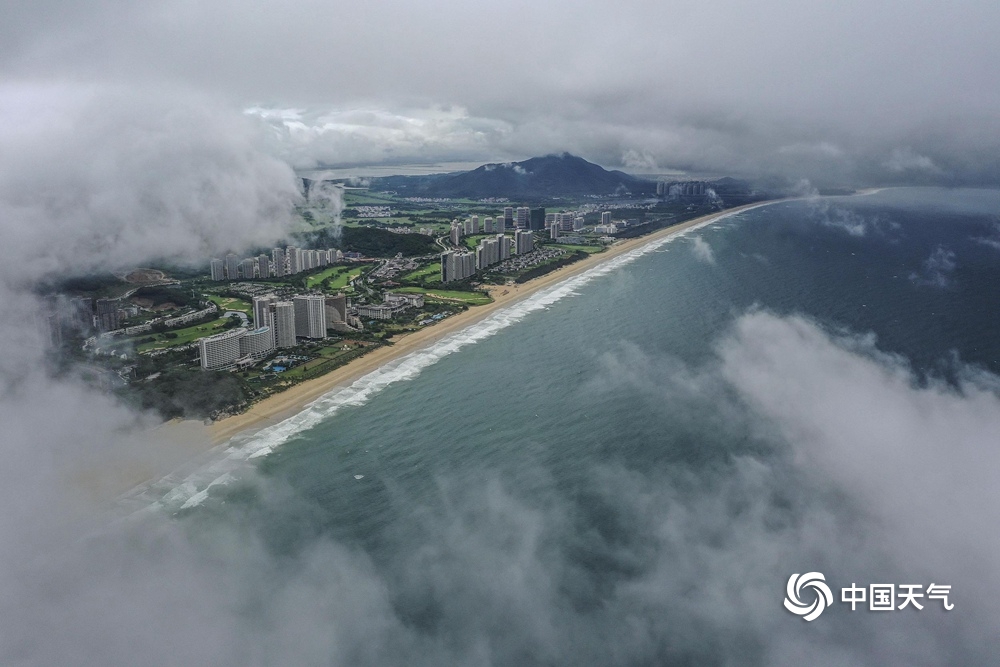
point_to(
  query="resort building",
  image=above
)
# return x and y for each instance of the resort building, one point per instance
(221, 350)
(257, 344)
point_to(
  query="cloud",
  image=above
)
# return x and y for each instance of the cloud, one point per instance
(915, 454)
(702, 250)
(900, 101)
(103, 178)
(639, 161)
(937, 269)
(905, 159)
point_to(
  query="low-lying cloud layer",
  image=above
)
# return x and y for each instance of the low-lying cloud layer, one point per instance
(869, 476)
(837, 94)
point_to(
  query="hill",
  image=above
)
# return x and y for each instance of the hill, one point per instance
(539, 177)
(551, 175)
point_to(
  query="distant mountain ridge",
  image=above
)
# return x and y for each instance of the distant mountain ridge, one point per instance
(537, 177)
(551, 175)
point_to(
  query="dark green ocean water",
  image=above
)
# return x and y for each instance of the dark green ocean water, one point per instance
(582, 481)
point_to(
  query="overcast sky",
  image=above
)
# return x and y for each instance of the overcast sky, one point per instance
(131, 132)
(846, 91)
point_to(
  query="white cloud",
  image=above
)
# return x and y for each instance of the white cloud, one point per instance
(702, 250)
(937, 269)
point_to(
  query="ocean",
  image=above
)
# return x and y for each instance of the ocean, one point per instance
(628, 468)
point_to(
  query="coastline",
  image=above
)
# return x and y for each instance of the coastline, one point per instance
(280, 406)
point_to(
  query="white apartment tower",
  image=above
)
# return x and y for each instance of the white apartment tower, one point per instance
(278, 255)
(522, 219)
(524, 241)
(218, 269)
(232, 267)
(283, 319)
(504, 246)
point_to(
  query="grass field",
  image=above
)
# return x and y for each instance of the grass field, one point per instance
(229, 303)
(470, 298)
(341, 275)
(572, 248)
(184, 336)
(430, 273)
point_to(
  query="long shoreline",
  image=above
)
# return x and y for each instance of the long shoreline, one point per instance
(290, 402)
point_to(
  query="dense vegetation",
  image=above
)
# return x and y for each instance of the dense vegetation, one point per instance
(188, 392)
(160, 294)
(551, 266)
(371, 241)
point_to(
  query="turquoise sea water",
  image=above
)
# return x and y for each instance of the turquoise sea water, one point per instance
(591, 479)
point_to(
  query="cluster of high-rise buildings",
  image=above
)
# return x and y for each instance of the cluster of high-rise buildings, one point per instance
(459, 265)
(278, 323)
(678, 189)
(282, 262)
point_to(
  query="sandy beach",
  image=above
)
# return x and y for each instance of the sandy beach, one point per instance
(291, 401)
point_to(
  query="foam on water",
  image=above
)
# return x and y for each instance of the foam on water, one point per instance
(188, 489)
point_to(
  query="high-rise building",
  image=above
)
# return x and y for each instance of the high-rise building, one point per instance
(550, 219)
(283, 319)
(294, 259)
(257, 344)
(221, 350)
(107, 314)
(475, 224)
(606, 217)
(218, 269)
(565, 221)
(83, 312)
(247, 267)
(278, 255)
(262, 310)
(554, 231)
(508, 217)
(263, 266)
(524, 241)
(310, 316)
(521, 217)
(457, 265)
(336, 255)
(456, 233)
(536, 219)
(232, 267)
(488, 225)
(487, 253)
(324, 257)
(578, 223)
(504, 248)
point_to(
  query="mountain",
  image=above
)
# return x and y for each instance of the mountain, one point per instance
(548, 176)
